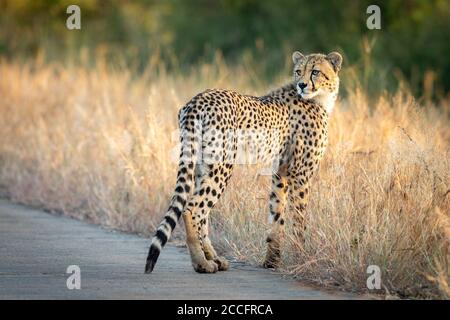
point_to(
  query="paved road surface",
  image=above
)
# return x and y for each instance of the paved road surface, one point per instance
(36, 248)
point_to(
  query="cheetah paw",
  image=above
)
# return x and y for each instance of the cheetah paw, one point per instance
(206, 266)
(271, 263)
(222, 263)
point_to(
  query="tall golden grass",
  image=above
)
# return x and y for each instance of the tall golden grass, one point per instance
(99, 144)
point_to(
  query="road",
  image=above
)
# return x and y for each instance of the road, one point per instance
(36, 249)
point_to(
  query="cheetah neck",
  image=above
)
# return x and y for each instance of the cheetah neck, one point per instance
(326, 101)
(287, 92)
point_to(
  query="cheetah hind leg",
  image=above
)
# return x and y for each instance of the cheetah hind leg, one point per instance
(209, 251)
(210, 184)
(199, 261)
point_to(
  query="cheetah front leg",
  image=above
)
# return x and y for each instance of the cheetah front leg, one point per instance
(298, 195)
(277, 206)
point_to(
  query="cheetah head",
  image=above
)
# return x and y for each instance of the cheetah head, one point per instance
(316, 77)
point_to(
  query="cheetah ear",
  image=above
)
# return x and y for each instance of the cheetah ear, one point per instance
(297, 57)
(336, 60)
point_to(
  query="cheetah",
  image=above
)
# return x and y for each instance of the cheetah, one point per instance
(287, 127)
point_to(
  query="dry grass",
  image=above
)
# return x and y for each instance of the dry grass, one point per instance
(100, 145)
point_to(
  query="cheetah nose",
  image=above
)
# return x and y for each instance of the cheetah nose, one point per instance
(302, 85)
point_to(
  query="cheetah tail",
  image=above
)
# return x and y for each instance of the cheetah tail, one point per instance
(183, 187)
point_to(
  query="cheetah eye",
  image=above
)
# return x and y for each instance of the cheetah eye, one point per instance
(315, 72)
(297, 72)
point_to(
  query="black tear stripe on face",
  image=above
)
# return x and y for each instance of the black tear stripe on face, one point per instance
(311, 78)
